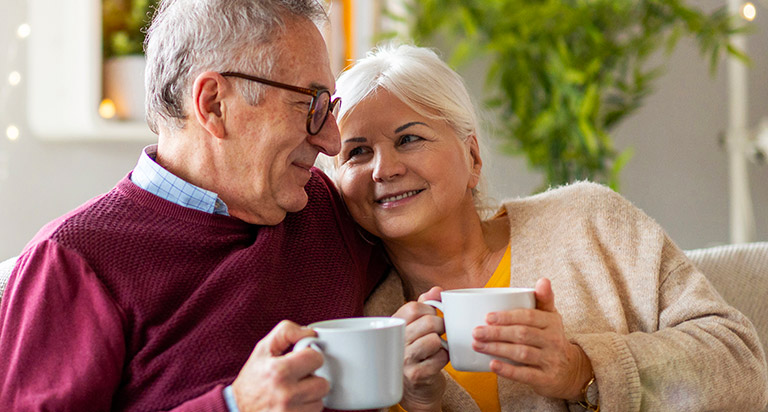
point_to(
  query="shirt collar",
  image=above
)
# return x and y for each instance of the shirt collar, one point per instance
(153, 178)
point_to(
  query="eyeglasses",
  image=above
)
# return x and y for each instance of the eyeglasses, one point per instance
(319, 107)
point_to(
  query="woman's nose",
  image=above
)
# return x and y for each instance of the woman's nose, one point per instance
(387, 166)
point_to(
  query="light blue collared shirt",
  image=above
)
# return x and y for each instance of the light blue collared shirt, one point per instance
(153, 178)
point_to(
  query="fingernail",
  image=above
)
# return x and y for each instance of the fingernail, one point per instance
(479, 345)
(491, 318)
(495, 366)
(479, 333)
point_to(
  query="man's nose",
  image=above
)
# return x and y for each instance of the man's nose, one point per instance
(328, 139)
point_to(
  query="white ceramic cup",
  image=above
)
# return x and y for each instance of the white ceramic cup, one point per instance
(465, 309)
(362, 361)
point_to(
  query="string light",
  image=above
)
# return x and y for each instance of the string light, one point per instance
(107, 109)
(12, 132)
(23, 31)
(14, 78)
(748, 11)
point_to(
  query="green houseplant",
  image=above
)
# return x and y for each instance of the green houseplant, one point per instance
(123, 32)
(563, 73)
(123, 23)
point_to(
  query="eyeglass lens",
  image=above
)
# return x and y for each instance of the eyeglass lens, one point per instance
(319, 111)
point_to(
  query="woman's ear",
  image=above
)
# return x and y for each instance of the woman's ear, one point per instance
(475, 162)
(208, 94)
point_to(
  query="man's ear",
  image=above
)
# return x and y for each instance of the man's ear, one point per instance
(208, 94)
(476, 163)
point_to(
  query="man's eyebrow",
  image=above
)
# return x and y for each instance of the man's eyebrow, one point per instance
(407, 125)
(318, 86)
(356, 140)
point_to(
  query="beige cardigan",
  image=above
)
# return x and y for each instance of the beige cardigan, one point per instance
(659, 336)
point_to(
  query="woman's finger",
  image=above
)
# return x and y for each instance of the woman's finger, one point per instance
(423, 326)
(520, 373)
(432, 294)
(529, 317)
(545, 298)
(426, 347)
(523, 354)
(413, 310)
(519, 334)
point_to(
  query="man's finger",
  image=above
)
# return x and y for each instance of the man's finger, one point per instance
(281, 337)
(302, 363)
(311, 390)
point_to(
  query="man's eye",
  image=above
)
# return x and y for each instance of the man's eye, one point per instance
(302, 104)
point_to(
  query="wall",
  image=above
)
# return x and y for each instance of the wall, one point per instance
(679, 172)
(678, 175)
(41, 180)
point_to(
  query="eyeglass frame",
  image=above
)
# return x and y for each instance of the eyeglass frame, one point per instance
(333, 104)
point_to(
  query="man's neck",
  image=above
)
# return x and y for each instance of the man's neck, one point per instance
(182, 153)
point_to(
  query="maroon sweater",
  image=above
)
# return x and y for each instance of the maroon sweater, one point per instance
(131, 302)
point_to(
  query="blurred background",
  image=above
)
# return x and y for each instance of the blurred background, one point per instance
(685, 146)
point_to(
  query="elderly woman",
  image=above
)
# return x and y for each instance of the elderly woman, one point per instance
(635, 326)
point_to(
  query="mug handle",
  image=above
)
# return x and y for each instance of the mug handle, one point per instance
(314, 344)
(308, 342)
(439, 305)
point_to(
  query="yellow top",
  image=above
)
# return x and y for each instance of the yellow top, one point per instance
(481, 385)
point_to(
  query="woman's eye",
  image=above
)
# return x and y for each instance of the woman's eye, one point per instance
(409, 138)
(357, 151)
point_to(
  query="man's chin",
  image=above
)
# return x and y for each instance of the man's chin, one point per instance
(260, 217)
(296, 203)
(272, 211)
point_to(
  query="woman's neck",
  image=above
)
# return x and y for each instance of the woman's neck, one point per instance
(458, 253)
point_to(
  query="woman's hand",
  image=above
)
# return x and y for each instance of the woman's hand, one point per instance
(423, 384)
(535, 339)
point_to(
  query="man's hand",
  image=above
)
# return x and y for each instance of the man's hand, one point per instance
(272, 381)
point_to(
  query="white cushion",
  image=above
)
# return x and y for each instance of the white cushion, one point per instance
(740, 274)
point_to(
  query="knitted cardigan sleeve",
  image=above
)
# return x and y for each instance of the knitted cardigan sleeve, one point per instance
(661, 337)
(703, 355)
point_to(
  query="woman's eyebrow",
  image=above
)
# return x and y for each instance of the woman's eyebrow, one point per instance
(407, 125)
(356, 140)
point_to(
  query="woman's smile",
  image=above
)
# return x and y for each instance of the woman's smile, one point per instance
(397, 199)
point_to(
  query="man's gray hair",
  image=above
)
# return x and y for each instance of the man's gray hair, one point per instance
(189, 37)
(419, 78)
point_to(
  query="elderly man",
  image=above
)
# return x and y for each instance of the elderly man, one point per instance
(153, 295)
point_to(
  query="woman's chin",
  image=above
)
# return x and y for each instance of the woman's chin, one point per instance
(397, 231)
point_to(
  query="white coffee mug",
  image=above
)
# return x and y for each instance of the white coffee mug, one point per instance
(465, 309)
(362, 361)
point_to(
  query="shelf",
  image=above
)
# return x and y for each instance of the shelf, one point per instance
(64, 66)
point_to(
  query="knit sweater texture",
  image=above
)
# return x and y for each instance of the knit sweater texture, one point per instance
(660, 338)
(134, 303)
